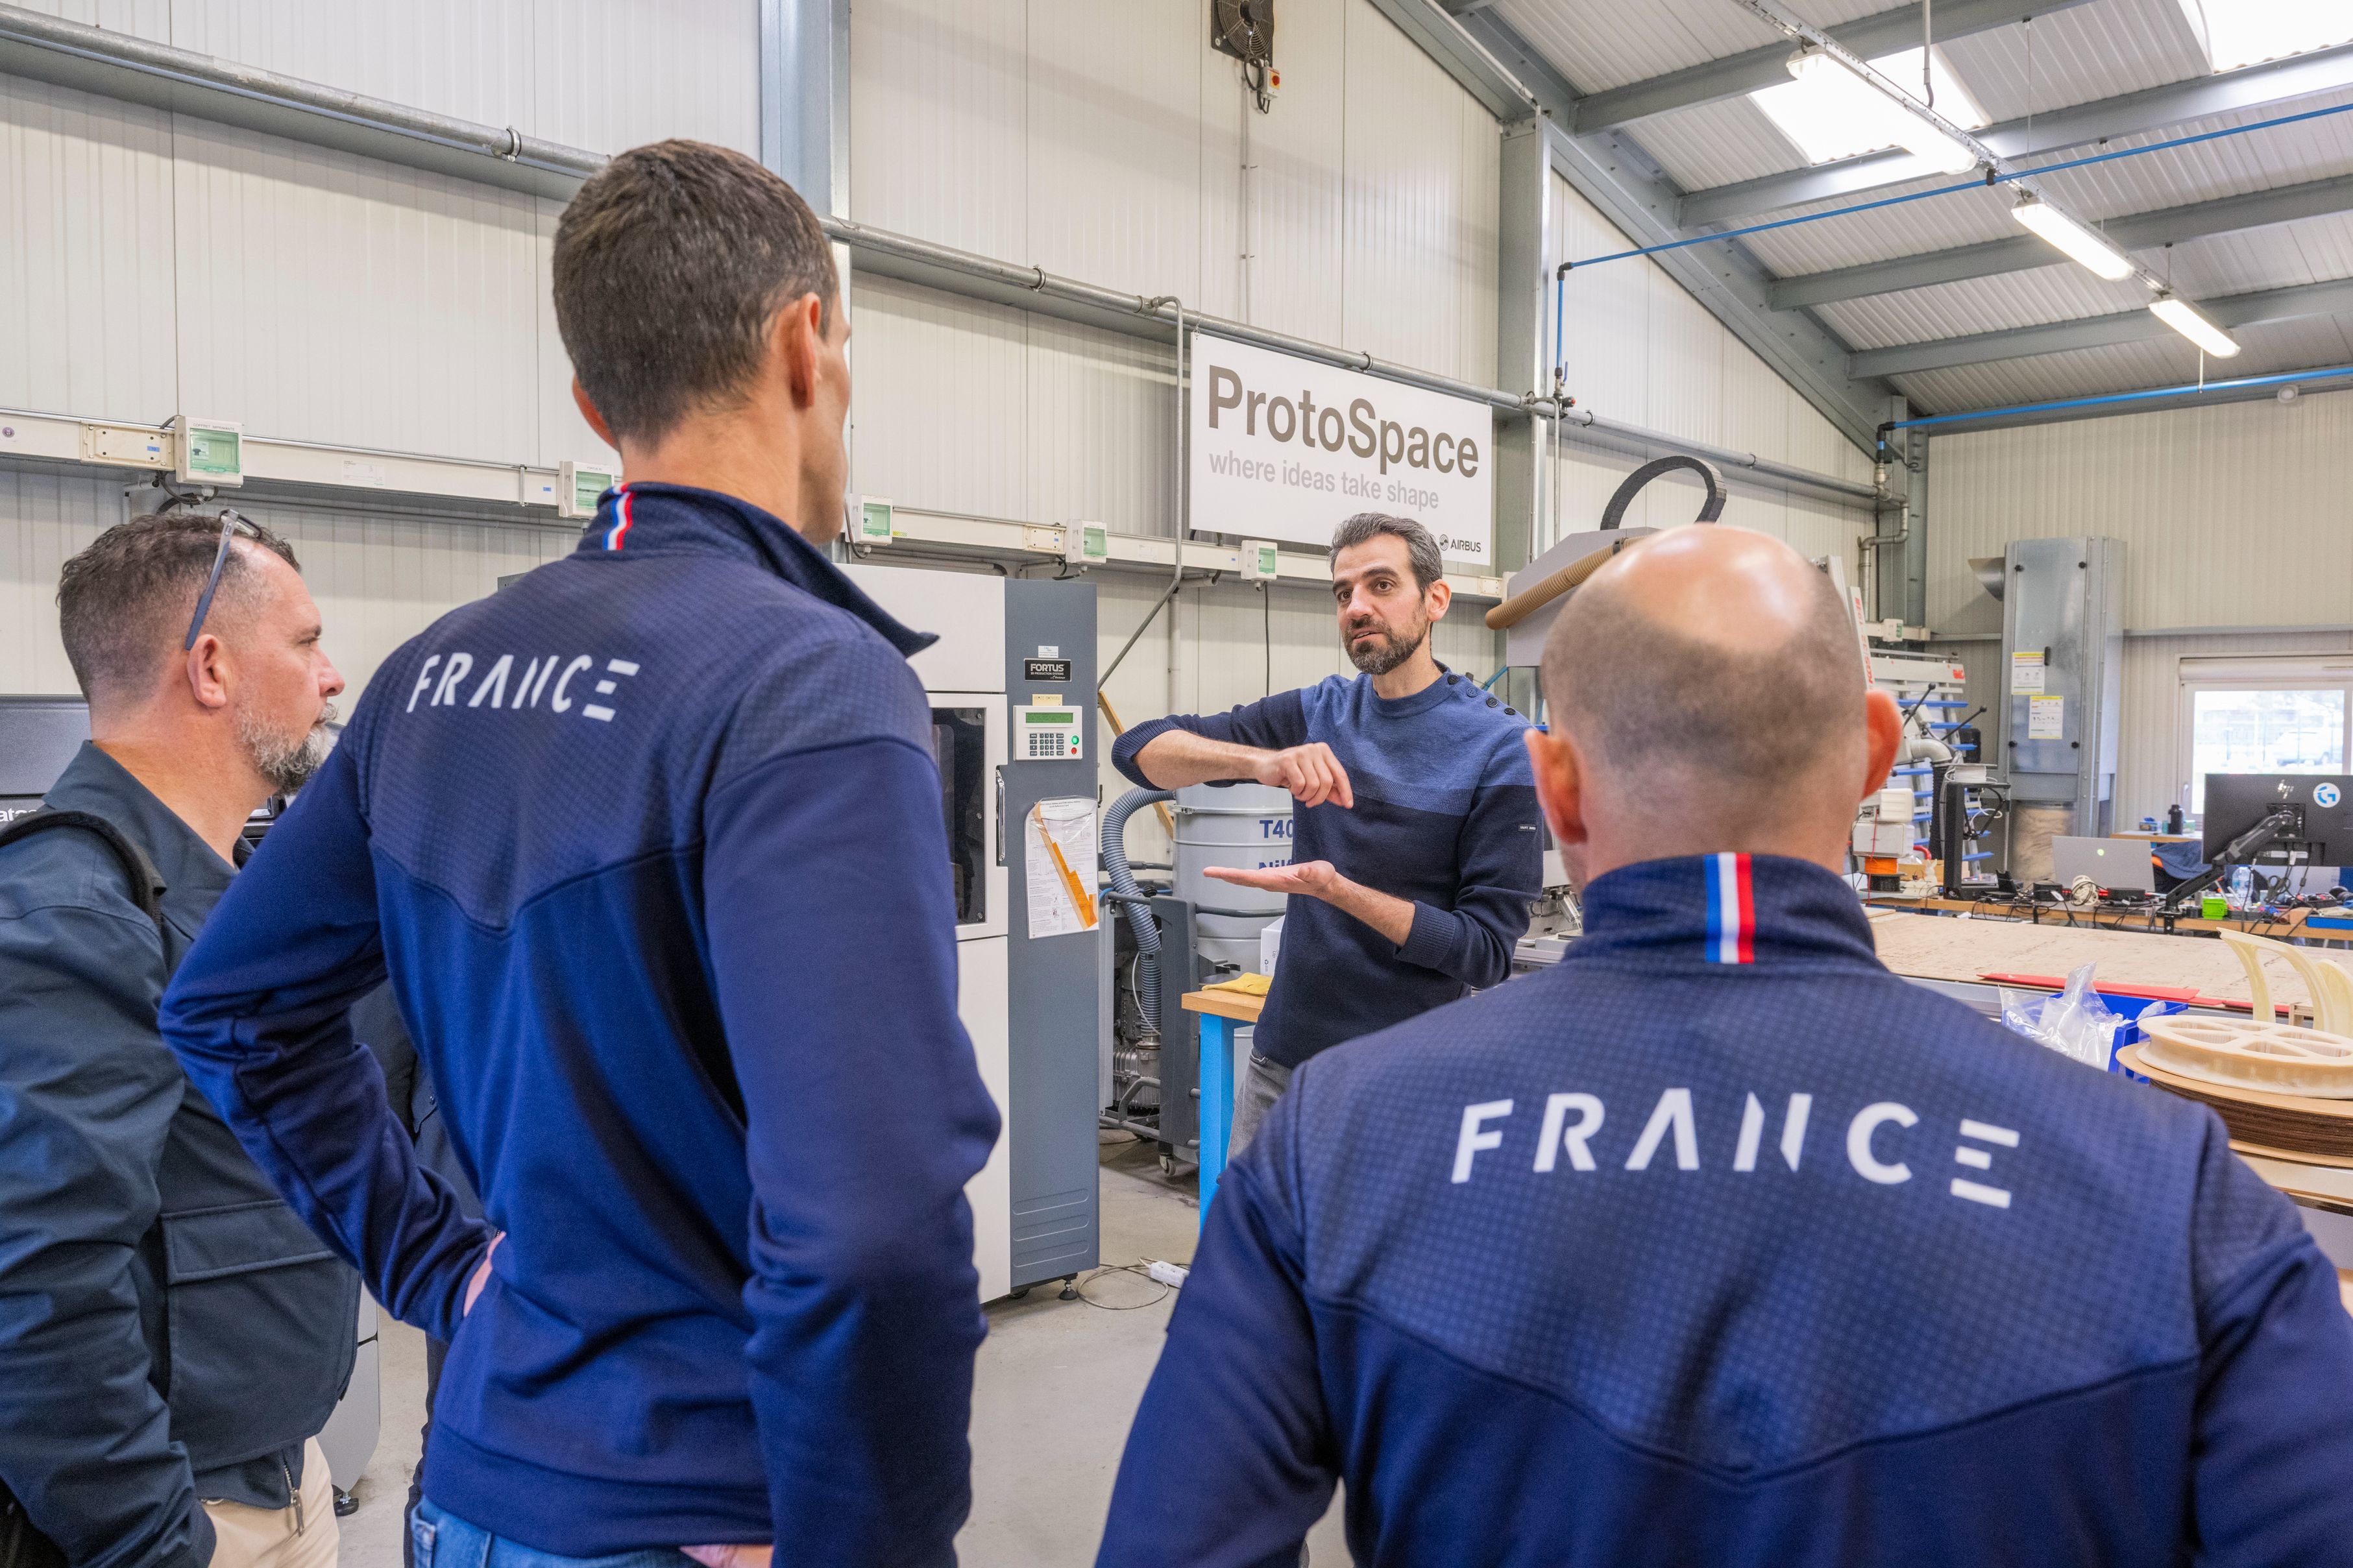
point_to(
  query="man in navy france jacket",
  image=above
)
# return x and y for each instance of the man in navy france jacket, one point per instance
(651, 844)
(1414, 850)
(1719, 1244)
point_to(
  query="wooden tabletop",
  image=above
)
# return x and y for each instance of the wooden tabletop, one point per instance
(2048, 914)
(1224, 1004)
(1938, 947)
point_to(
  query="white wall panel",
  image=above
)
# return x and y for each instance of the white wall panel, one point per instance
(1422, 180)
(939, 121)
(1290, 197)
(46, 519)
(599, 74)
(149, 19)
(331, 298)
(2233, 515)
(86, 315)
(1640, 349)
(1101, 416)
(1109, 143)
(939, 403)
(1114, 150)
(471, 58)
(378, 579)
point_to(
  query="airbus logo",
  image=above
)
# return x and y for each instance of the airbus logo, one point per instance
(1874, 1144)
(442, 683)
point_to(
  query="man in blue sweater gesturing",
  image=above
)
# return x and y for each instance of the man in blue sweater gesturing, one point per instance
(650, 842)
(1414, 845)
(1719, 1245)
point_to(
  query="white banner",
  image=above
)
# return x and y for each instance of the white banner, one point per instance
(1283, 448)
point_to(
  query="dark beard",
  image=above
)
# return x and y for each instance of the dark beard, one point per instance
(1391, 652)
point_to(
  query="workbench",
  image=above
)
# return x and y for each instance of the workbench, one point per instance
(2283, 927)
(1977, 952)
(1221, 1011)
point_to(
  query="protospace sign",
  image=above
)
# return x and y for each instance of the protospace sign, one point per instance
(1284, 448)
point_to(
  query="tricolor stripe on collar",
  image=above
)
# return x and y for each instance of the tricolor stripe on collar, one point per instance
(1731, 910)
(620, 529)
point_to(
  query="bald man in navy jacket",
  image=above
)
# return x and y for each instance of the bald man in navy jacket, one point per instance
(1719, 1244)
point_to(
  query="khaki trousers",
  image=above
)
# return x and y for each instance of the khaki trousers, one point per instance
(302, 1535)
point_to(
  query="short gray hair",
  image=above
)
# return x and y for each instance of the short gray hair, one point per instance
(1421, 548)
(124, 601)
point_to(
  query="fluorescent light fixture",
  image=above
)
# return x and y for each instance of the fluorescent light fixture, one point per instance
(2080, 243)
(2242, 32)
(1828, 113)
(2183, 317)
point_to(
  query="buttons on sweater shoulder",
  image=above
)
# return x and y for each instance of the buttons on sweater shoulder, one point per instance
(1453, 679)
(1492, 702)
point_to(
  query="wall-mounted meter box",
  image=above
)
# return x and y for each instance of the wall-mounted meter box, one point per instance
(870, 519)
(210, 451)
(1049, 735)
(579, 487)
(1261, 562)
(1086, 543)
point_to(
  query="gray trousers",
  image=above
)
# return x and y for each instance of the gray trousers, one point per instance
(1263, 1083)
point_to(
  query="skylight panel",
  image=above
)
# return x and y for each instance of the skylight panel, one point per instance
(2237, 33)
(1833, 114)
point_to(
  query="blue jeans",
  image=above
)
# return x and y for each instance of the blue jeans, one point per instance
(442, 1540)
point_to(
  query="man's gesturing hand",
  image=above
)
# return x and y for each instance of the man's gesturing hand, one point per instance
(1311, 877)
(1310, 773)
(730, 1556)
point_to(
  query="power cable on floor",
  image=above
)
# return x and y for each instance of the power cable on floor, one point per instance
(1140, 1269)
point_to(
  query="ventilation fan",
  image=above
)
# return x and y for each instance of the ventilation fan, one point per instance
(1244, 29)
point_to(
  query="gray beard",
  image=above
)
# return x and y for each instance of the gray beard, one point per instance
(286, 764)
(1388, 656)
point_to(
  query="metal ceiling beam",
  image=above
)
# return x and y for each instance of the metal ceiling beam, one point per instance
(1438, 35)
(1717, 80)
(2129, 114)
(2102, 331)
(2022, 252)
(1610, 169)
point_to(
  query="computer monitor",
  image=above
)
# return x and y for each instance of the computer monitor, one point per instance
(2117, 864)
(2322, 803)
(39, 736)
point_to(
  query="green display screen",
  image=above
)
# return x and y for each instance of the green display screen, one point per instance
(1064, 716)
(588, 486)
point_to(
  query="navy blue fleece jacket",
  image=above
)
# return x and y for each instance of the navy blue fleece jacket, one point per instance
(652, 845)
(1719, 1244)
(1445, 817)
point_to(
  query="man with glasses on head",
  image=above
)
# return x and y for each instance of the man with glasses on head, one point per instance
(171, 1337)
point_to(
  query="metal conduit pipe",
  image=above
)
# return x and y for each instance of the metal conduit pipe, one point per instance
(1723, 456)
(1122, 881)
(206, 85)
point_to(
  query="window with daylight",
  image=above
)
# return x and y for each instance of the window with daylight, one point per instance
(2261, 716)
(2237, 33)
(1833, 115)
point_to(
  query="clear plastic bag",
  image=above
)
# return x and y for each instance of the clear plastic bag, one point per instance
(2076, 1023)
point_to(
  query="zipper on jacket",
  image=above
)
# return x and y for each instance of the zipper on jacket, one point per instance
(292, 1491)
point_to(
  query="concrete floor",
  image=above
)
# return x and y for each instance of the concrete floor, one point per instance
(1055, 1389)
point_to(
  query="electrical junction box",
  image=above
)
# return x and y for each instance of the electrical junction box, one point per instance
(1261, 562)
(126, 446)
(579, 487)
(1086, 543)
(1882, 838)
(870, 519)
(1048, 732)
(211, 451)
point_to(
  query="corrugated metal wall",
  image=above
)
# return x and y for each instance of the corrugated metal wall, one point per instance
(157, 263)
(379, 579)
(1640, 349)
(2234, 515)
(1108, 143)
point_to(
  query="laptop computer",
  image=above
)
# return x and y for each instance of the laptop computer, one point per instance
(2117, 863)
